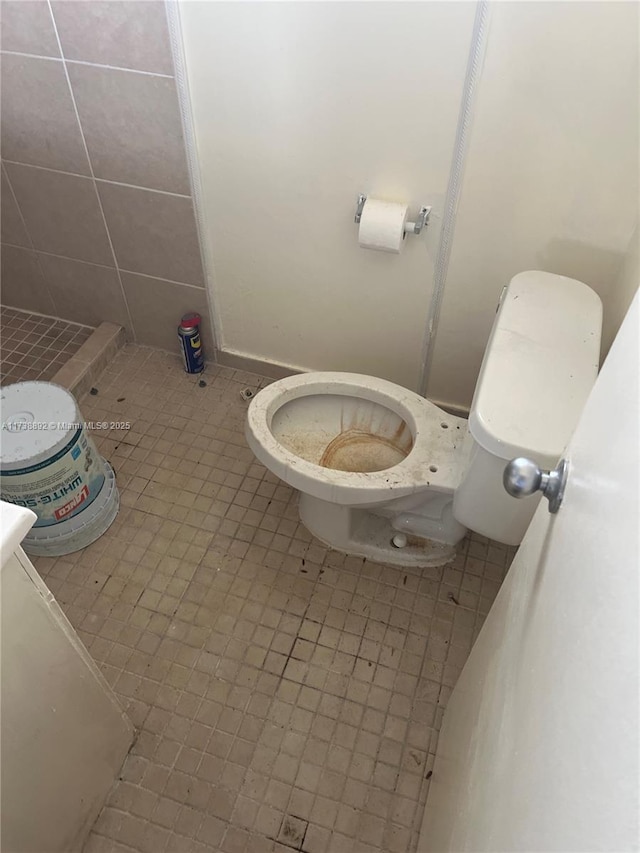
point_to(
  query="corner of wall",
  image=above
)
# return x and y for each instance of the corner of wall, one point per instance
(621, 293)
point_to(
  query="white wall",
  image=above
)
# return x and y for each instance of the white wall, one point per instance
(298, 107)
(551, 178)
(623, 290)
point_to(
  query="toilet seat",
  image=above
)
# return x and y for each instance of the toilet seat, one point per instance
(437, 441)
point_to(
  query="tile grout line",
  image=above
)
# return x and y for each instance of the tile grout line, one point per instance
(100, 266)
(86, 150)
(15, 201)
(62, 58)
(44, 316)
(92, 176)
(51, 352)
(26, 229)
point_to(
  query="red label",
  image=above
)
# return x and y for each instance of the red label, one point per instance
(68, 508)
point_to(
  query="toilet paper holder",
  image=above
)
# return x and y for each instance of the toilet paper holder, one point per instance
(422, 219)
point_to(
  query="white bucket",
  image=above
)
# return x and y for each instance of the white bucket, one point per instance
(49, 463)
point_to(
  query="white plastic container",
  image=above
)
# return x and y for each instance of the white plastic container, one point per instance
(49, 464)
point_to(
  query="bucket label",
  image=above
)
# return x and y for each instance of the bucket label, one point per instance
(73, 504)
(58, 488)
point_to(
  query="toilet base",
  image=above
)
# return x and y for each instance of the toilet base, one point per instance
(361, 533)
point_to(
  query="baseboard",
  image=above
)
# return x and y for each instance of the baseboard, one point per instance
(273, 370)
(451, 408)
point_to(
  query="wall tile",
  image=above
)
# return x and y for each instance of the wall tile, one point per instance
(39, 124)
(156, 307)
(132, 127)
(27, 28)
(61, 263)
(84, 293)
(153, 233)
(112, 32)
(13, 230)
(23, 285)
(62, 213)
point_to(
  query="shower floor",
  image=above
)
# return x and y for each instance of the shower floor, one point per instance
(33, 346)
(287, 697)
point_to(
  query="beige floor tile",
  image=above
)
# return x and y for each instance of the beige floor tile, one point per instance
(286, 696)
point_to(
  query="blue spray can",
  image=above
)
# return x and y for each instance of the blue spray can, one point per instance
(189, 337)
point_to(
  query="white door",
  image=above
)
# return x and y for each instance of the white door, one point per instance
(539, 747)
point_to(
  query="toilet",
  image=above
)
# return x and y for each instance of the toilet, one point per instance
(385, 474)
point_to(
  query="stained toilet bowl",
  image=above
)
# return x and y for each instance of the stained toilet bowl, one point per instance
(353, 439)
(351, 442)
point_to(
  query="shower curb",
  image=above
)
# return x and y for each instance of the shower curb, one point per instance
(81, 371)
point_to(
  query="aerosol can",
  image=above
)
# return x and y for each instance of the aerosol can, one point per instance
(189, 336)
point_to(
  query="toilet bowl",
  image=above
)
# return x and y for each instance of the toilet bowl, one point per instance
(385, 474)
(351, 442)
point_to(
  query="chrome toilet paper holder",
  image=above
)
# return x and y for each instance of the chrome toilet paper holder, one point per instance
(422, 219)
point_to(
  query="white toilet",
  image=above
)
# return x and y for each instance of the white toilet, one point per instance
(385, 474)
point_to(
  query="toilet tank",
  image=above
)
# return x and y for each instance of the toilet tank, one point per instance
(538, 369)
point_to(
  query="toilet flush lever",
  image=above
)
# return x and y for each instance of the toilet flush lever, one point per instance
(522, 477)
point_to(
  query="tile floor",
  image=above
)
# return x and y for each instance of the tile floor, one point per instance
(287, 697)
(36, 347)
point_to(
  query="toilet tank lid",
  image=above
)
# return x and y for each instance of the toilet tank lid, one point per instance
(539, 367)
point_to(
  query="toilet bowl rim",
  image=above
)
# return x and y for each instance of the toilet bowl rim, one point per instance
(416, 411)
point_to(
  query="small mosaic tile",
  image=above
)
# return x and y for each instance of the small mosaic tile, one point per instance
(286, 696)
(35, 347)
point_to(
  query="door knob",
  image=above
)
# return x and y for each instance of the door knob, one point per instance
(522, 477)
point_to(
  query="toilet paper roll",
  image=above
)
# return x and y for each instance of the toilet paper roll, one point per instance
(382, 225)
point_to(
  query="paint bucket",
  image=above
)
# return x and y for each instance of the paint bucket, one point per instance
(49, 463)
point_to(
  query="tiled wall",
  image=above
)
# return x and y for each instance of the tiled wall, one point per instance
(97, 216)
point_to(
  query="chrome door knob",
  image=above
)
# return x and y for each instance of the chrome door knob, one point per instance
(522, 477)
